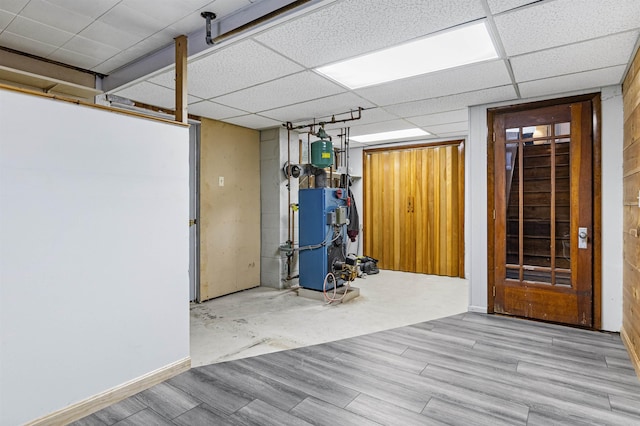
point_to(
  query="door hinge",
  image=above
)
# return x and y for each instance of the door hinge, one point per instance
(494, 214)
(494, 136)
(192, 222)
(494, 291)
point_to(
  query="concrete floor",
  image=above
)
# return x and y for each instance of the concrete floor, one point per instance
(263, 320)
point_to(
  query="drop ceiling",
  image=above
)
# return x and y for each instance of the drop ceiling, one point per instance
(265, 76)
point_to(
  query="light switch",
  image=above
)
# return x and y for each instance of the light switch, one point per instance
(220, 180)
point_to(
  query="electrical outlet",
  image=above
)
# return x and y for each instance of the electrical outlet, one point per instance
(220, 180)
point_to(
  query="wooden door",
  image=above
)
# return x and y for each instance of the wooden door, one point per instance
(414, 208)
(543, 203)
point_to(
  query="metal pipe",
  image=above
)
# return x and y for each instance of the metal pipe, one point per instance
(289, 204)
(208, 16)
(333, 120)
(261, 20)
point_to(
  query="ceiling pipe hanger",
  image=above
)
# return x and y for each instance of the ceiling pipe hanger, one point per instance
(209, 16)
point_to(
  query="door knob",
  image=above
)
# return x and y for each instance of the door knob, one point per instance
(583, 235)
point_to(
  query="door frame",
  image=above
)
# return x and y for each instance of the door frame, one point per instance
(595, 100)
(194, 211)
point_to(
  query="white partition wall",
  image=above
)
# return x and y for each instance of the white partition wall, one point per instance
(93, 252)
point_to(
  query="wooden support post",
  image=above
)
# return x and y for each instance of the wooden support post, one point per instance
(181, 79)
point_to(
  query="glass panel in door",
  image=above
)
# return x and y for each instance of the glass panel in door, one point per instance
(537, 204)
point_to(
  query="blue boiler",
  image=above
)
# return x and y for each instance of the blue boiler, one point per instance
(322, 234)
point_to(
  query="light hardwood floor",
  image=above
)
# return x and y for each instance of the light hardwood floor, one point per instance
(467, 369)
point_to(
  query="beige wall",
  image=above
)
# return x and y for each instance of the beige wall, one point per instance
(631, 218)
(229, 214)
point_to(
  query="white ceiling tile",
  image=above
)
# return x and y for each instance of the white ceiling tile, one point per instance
(223, 8)
(459, 127)
(58, 17)
(236, 67)
(454, 116)
(152, 94)
(556, 23)
(287, 90)
(367, 116)
(400, 141)
(213, 110)
(90, 48)
(189, 23)
(448, 103)
(320, 109)
(37, 31)
(107, 66)
(92, 9)
(372, 115)
(352, 27)
(433, 85)
(24, 44)
(453, 135)
(5, 19)
(141, 48)
(498, 6)
(74, 58)
(168, 79)
(588, 55)
(132, 21)
(115, 62)
(149, 45)
(109, 35)
(254, 121)
(383, 126)
(567, 83)
(13, 6)
(162, 11)
(193, 21)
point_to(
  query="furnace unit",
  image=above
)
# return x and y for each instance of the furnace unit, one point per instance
(322, 235)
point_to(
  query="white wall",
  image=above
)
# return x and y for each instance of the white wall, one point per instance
(274, 204)
(93, 252)
(476, 209)
(612, 202)
(476, 206)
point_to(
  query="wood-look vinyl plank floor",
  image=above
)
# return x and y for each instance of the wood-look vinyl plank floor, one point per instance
(460, 370)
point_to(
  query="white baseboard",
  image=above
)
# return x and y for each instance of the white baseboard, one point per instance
(102, 400)
(477, 309)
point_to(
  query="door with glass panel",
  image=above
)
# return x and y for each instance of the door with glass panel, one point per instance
(543, 214)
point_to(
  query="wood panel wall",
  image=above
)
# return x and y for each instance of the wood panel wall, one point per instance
(229, 214)
(414, 208)
(631, 215)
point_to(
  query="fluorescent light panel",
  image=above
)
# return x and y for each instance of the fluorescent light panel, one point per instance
(396, 134)
(447, 49)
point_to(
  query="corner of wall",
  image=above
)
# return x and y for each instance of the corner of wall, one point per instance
(612, 199)
(476, 208)
(276, 197)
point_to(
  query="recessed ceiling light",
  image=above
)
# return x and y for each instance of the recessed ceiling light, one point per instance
(447, 49)
(396, 134)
